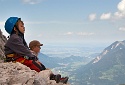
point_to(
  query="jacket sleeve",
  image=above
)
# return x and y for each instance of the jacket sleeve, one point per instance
(17, 46)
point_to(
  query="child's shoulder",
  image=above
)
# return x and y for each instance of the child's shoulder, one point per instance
(14, 36)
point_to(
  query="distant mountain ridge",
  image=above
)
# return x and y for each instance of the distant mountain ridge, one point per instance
(72, 59)
(49, 62)
(108, 68)
(116, 46)
(53, 62)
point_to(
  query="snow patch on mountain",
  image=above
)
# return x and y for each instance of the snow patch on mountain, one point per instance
(112, 48)
(96, 59)
(105, 52)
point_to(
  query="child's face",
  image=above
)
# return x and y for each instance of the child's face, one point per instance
(21, 27)
(37, 49)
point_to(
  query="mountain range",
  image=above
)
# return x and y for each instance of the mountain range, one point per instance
(53, 62)
(49, 62)
(108, 68)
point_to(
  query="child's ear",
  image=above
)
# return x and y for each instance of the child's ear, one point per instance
(14, 29)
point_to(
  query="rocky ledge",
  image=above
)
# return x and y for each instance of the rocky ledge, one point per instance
(19, 74)
(3, 40)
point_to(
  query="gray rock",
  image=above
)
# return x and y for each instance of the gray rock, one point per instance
(3, 40)
(19, 74)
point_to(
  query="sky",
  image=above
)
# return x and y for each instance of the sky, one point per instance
(81, 22)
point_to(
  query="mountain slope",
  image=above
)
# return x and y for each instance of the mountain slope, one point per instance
(72, 59)
(49, 62)
(108, 68)
(53, 62)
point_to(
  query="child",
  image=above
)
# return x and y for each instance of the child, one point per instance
(16, 49)
(35, 49)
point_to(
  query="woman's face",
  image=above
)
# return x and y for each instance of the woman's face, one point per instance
(21, 27)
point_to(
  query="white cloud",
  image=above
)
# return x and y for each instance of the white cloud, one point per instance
(121, 6)
(119, 14)
(92, 17)
(85, 33)
(80, 33)
(122, 28)
(121, 10)
(68, 33)
(31, 1)
(105, 16)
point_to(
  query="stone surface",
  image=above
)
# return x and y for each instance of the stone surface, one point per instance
(3, 40)
(19, 74)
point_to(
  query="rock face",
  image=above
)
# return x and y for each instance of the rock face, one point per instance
(19, 74)
(3, 40)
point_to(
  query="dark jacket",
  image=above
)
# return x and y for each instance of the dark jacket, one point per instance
(16, 44)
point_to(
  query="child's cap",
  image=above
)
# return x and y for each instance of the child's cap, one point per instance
(34, 43)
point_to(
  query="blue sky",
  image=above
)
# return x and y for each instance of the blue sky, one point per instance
(68, 21)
